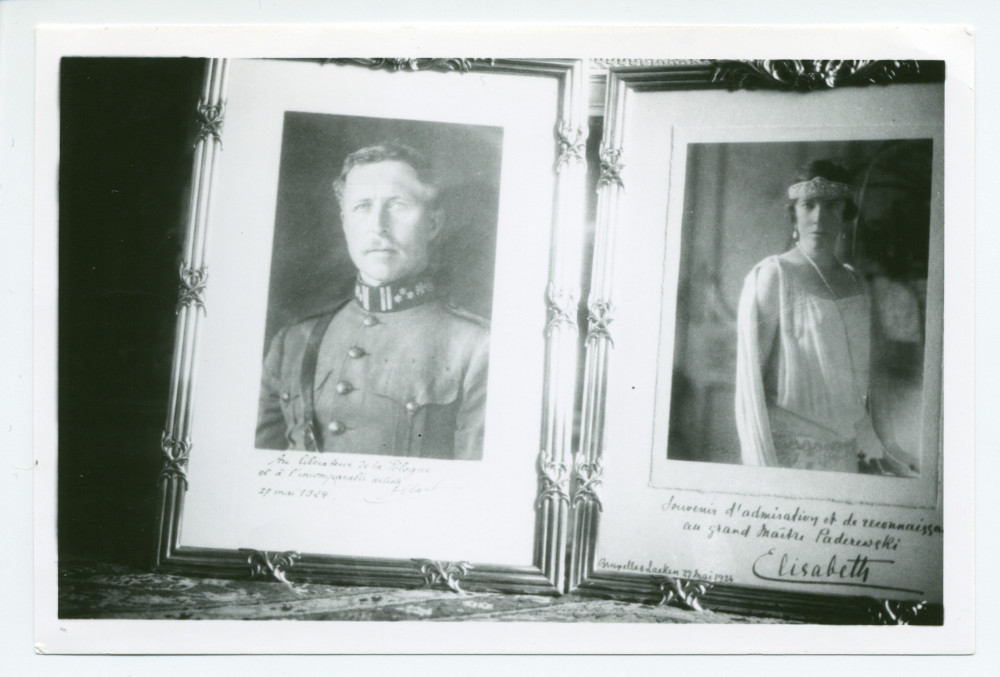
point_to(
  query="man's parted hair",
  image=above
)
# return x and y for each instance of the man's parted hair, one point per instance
(384, 152)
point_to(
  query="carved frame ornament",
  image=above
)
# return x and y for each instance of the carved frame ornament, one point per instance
(588, 478)
(418, 64)
(192, 288)
(443, 575)
(807, 76)
(561, 310)
(611, 167)
(210, 118)
(893, 612)
(681, 592)
(554, 478)
(270, 566)
(175, 457)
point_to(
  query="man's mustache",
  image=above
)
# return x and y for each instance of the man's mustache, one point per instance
(379, 245)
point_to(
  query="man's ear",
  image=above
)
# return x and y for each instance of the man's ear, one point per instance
(435, 221)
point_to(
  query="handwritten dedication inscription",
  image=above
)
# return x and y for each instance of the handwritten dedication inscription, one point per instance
(372, 479)
(791, 543)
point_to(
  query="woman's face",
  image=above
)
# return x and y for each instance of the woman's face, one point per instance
(819, 221)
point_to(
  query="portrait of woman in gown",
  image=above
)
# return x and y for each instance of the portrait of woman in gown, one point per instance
(805, 343)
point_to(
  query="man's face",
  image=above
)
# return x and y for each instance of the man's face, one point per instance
(388, 225)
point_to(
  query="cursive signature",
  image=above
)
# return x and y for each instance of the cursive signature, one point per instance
(400, 490)
(856, 571)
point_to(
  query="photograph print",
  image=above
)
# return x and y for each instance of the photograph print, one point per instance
(802, 315)
(377, 326)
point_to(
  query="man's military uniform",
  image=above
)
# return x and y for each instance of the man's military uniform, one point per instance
(395, 372)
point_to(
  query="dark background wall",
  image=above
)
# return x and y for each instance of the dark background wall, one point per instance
(127, 129)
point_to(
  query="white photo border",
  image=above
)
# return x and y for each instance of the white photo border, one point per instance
(916, 492)
(645, 44)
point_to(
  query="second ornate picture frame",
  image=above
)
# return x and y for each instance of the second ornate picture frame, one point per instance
(696, 161)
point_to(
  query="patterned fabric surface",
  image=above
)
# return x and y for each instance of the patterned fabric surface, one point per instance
(97, 590)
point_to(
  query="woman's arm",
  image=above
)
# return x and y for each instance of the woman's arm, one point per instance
(768, 300)
(757, 323)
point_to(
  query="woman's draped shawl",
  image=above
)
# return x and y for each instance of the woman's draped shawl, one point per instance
(822, 369)
(752, 421)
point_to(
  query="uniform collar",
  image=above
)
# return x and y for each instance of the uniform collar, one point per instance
(397, 295)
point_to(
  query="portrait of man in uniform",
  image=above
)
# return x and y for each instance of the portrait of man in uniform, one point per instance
(395, 368)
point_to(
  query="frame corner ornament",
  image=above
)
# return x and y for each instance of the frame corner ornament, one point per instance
(447, 575)
(681, 592)
(611, 167)
(270, 565)
(572, 144)
(589, 475)
(210, 119)
(894, 612)
(807, 76)
(174, 453)
(193, 281)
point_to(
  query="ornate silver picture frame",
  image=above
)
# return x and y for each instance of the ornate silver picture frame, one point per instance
(668, 514)
(230, 508)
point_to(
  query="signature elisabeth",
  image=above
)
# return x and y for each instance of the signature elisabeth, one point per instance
(859, 570)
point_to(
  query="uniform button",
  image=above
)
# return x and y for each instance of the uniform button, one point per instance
(356, 352)
(286, 396)
(336, 427)
(370, 320)
(344, 387)
(411, 407)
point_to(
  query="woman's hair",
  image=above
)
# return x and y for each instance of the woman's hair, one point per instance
(831, 171)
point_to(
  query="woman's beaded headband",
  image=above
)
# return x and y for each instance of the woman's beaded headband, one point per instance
(819, 187)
